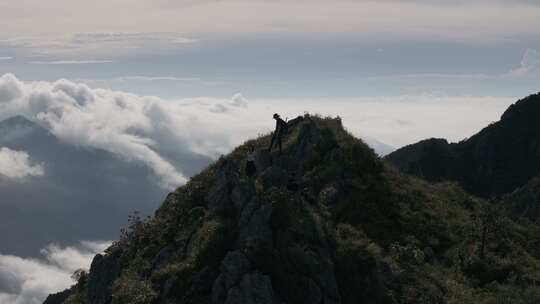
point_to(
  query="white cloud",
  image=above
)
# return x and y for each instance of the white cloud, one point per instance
(529, 63)
(239, 101)
(133, 127)
(6, 58)
(29, 281)
(59, 62)
(17, 165)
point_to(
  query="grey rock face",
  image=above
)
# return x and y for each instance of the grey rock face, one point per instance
(103, 271)
(218, 197)
(233, 267)
(248, 210)
(258, 227)
(254, 288)
(242, 193)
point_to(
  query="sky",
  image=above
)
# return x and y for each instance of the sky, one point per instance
(160, 83)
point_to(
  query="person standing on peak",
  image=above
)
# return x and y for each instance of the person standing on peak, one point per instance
(279, 132)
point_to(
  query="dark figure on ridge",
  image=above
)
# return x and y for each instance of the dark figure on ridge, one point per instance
(250, 163)
(279, 132)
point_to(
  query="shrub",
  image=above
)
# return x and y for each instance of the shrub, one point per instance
(131, 289)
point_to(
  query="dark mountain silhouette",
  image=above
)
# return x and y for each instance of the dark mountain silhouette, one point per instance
(325, 222)
(81, 187)
(497, 160)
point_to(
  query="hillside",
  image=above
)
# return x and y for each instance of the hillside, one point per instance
(326, 222)
(497, 160)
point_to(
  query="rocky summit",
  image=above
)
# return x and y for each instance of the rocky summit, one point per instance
(326, 221)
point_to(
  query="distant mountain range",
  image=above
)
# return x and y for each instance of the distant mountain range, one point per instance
(500, 158)
(84, 194)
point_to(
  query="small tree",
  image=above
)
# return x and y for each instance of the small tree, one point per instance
(490, 222)
(80, 276)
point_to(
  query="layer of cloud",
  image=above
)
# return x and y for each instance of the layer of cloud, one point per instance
(394, 120)
(153, 78)
(475, 21)
(6, 58)
(17, 164)
(29, 281)
(133, 127)
(77, 47)
(529, 65)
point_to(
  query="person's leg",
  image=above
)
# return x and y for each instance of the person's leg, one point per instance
(272, 142)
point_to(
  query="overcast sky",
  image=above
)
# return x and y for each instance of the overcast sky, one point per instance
(277, 49)
(154, 80)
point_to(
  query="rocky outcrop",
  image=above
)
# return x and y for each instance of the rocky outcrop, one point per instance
(58, 298)
(103, 271)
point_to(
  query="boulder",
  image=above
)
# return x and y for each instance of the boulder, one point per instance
(234, 265)
(232, 268)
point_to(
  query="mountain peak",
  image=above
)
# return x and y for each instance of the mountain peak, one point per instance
(325, 221)
(528, 106)
(17, 120)
(19, 127)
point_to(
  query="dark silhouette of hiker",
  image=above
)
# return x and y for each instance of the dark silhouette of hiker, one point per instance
(250, 163)
(279, 132)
